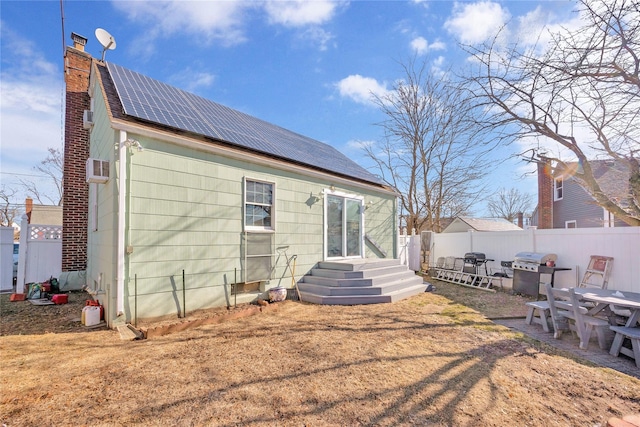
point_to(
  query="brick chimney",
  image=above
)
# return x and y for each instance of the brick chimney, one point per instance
(545, 193)
(520, 220)
(28, 208)
(77, 66)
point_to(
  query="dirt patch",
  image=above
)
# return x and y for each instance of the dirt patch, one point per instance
(427, 360)
(24, 318)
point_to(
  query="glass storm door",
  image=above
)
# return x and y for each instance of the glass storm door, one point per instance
(344, 227)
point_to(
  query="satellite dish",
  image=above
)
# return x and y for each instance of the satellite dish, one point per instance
(106, 40)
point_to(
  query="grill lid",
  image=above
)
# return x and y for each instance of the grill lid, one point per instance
(474, 256)
(534, 257)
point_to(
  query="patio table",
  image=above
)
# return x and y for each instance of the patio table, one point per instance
(605, 297)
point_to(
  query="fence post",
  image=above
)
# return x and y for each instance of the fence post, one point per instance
(22, 255)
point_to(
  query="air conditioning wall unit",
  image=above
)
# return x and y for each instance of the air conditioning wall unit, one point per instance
(87, 119)
(97, 171)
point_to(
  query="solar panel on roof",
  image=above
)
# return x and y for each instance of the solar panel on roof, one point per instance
(148, 99)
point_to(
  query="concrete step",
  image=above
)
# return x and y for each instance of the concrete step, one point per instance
(358, 264)
(371, 272)
(357, 282)
(383, 288)
(363, 281)
(365, 299)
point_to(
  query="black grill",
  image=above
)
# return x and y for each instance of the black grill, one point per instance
(475, 258)
(473, 261)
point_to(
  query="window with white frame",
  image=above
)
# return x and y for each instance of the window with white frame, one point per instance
(609, 219)
(557, 188)
(571, 224)
(258, 205)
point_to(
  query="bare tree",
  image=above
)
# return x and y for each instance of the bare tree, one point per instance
(583, 93)
(508, 204)
(430, 154)
(9, 211)
(52, 167)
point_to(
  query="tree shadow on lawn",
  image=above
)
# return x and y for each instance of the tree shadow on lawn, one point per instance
(445, 388)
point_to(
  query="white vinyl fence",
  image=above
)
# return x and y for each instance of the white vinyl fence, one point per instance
(40, 253)
(409, 251)
(573, 247)
(6, 259)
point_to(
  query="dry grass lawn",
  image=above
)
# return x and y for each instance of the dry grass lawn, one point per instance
(424, 361)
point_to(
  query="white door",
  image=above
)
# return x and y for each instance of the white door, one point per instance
(343, 233)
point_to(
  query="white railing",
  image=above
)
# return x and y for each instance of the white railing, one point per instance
(44, 232)
(409, 250)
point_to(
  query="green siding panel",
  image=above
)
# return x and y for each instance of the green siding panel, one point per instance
(184, 211)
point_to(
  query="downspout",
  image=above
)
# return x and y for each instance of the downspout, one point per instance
(396, 228)
(120, 246)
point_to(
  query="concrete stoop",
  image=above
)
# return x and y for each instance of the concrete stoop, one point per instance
(364, 281)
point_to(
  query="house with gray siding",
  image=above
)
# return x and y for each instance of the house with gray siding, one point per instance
(194, 205)
(569, 205)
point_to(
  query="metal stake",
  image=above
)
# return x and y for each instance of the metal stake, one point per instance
(184, 298)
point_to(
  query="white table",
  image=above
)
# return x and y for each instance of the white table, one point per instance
(603, 298)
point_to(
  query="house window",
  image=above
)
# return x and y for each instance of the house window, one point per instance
(571, 224)
(557, 189)
(258, 205)
(609, 219)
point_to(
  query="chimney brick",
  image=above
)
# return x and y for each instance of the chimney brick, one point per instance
(545, 194)
(75, 215)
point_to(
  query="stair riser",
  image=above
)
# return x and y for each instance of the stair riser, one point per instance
(345, 283)
(358, 265)
(366, 299)
(341, 274)
(378, 290)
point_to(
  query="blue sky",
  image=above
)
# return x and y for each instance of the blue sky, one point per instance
(308, 66)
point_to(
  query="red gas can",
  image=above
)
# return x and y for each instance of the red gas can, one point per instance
(60, 299)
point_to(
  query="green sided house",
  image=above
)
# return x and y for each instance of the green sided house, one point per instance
(193, 205)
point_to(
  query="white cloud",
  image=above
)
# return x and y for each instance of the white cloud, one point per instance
(317, 36)
(300, 13)
(357, 144)
(421, 46)
(225, 22)
(361, 89)
(221, 21)
(30, 104)
(474, 23)
(537, 26)
(424, 3)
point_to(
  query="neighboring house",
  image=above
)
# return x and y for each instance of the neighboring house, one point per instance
(43, 214)
(188, 197)
(461, 224)
(564, 203)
